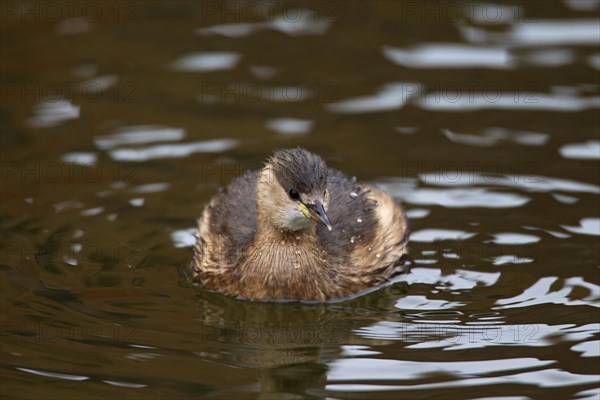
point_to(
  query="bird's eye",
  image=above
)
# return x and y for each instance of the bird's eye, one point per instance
(294, 195)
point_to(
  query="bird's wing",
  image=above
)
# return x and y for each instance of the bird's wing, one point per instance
(228, 223)
(370, 231)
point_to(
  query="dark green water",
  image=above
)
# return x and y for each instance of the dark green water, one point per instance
(120, 120)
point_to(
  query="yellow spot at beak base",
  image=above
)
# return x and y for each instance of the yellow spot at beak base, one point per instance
(305, 211)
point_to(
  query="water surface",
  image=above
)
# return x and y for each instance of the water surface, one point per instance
(117, 128)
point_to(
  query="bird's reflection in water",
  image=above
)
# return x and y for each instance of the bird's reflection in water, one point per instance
(290, 344)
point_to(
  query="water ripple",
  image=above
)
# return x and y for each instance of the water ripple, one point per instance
(139, 134)
(469, 101)
(53, 113)
(589, 150)
(549, 378)
(290, 126)
(56, 375)
(457, 198)
(206, 62)
(362, 369)
(305, 22)
(587, 226)
(541, 293)
(530, 183)
(392, 96)
(173, 150)
(448, 55)
(493, 135)
(553, 32)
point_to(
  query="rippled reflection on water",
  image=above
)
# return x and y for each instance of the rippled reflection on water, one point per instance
(116, 130)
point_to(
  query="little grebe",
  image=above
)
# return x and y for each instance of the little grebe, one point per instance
(298, 230)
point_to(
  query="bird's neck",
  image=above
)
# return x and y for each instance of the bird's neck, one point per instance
(266, 232)
(285, 264)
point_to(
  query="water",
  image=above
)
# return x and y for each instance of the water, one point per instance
(117, 127)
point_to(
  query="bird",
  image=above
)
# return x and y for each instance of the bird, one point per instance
(297, 229)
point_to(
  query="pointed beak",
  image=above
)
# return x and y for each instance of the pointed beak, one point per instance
(317, 214)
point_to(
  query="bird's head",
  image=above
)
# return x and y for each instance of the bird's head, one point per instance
(292, 190)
